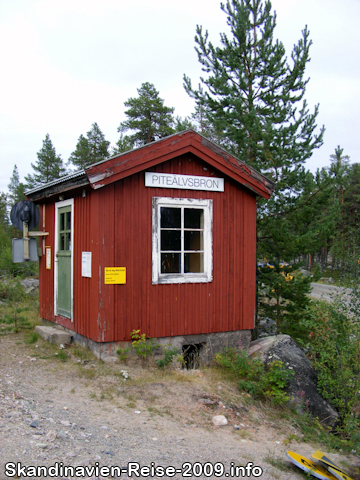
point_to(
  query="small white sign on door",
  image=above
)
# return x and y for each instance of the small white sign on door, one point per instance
(86, 264)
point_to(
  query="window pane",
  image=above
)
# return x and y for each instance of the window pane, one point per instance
(170, 263)
(68, 241)
(170, 240)
(68, 221)
(193, 218)
(62, 241)
(62, 221)
(170, 217)
(193, 240)
(194, 262)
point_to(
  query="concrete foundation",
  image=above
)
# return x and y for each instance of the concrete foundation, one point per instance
(200, 349)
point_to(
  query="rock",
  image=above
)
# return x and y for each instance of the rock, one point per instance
(51, 436)
(302, 386)
(61, 434)
(206, 401)
(41, 445)
(267, 327)
(331, 280)
(65, 423)
(219, 420)
(34, 424)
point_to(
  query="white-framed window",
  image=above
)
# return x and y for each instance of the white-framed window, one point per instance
(181, 240)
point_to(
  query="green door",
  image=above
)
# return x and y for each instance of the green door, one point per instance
(64, 262)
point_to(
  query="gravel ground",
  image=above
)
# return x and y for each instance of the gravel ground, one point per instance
(67, 413)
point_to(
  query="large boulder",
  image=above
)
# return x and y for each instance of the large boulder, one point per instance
(302, 386)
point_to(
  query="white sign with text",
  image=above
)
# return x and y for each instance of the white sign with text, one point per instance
(185, 182)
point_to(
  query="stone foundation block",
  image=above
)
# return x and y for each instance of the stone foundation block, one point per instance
(53, 335)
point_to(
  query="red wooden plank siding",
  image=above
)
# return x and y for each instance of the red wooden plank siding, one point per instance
(46, 277)
(176, 309)
(85, 290)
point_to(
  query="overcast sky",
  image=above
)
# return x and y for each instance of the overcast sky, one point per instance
(68, 64)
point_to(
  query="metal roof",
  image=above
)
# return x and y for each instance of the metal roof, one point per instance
(63, 179)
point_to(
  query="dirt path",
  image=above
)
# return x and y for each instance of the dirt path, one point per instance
(84, 413)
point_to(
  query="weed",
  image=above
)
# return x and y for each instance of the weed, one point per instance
(169, 354)
(123, 354)
(144, 347)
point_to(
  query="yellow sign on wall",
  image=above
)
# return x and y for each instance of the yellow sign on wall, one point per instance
(115, 275)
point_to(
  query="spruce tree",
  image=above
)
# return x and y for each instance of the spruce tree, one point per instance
(255, 98)
(147, 116)
(48, 167)
(90, 149)
(16, 188)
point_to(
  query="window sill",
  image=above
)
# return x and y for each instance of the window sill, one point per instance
(188, 278)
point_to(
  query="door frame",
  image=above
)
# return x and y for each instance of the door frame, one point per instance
(58, 205)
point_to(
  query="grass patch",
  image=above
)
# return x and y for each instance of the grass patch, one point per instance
(277, 462)
(62, 356)
(31, 337)
(88, 373)
(82, 353)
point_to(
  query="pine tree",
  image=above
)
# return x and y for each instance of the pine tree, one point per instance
(147, 116)
(48, 167)
(90, 149)
(182, 124)
(16, 188)
(80, 156)
(255, 98)
(124, 144)
(203, 124)
(99, 147)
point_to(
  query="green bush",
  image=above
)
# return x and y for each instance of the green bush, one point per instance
(259, 380)
(22, 270)
(11, 290)
(144, 347)
(334, 343)
(169, 354)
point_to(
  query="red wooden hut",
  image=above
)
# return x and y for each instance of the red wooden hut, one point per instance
(161, 238)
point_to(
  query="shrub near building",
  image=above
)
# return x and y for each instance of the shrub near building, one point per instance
(283, 296)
